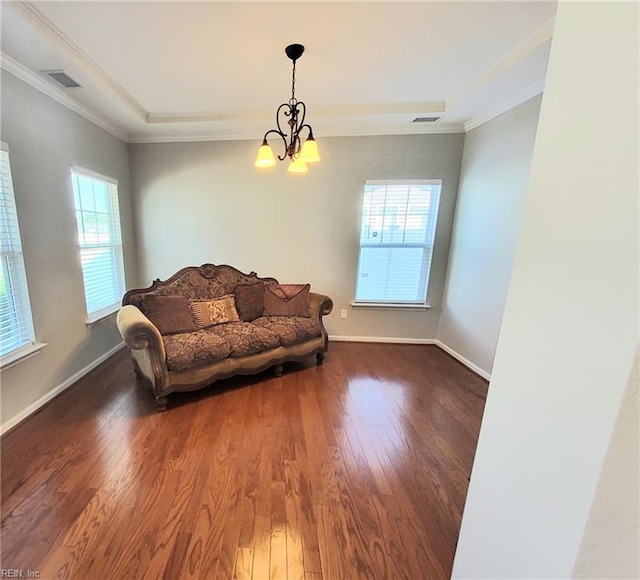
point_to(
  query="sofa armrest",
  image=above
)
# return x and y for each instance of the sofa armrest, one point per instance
(319, 305)
(137, 330)
(145, 342)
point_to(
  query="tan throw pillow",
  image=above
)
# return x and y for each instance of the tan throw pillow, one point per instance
(211, 312)
(250, 301)
(170, 314)
(286, 300)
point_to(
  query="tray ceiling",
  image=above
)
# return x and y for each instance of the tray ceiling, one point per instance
(171, 71)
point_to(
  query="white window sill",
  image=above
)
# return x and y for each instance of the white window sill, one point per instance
(21, 354)
(391, 305)
(99, 315)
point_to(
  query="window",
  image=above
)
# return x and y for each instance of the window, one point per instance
(98, 217)
(396, 241)
(16, 324)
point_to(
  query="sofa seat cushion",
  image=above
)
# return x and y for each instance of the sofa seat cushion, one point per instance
(290, 329)
(245, 337)
(194, 349)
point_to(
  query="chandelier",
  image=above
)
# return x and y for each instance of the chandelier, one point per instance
(293, 113)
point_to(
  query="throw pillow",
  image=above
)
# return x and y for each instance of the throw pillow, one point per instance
(250, 301)
(170, 314)
(211, 312)
(286, 300)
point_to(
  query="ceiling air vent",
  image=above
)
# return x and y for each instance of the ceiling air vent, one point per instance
(62, 78)
(425, 119)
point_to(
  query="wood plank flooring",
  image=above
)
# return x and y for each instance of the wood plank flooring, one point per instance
(355, 469)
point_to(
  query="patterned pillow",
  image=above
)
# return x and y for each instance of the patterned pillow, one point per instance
(249, 301)
(170, 314)
(211, 312)
(286, 300)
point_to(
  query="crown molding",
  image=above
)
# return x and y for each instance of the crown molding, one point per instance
(515, 55)
(506, 105)
(24, 74)
(37, 18)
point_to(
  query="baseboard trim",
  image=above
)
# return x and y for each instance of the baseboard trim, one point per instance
(42, 401)
(395, 340)
(465, 361)
(382, 339)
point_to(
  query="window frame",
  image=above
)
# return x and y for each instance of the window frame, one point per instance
(13, 259)
(429, 244)
(115, 230)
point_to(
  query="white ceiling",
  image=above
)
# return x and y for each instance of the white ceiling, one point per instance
(172, 71)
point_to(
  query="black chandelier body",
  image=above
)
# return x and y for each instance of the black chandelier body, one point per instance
(291, 113)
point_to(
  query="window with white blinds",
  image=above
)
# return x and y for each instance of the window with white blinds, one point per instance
(100, 240)
(16, 324)
(396, 241)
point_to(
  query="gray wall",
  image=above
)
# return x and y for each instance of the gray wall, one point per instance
(493, 183)
(44, 140)
(205, 202)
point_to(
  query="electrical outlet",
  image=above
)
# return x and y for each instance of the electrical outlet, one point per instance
(343, 313)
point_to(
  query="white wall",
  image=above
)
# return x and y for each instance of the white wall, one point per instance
(44, 140)
(493, 183)
(205, 202)
(570, 325)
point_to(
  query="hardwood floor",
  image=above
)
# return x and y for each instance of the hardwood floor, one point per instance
(355, 469)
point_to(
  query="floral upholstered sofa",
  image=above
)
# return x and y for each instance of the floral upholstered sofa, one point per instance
(211, 322)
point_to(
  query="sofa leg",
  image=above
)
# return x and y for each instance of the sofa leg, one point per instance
(161, 403)
(319, 358)
(277, 370)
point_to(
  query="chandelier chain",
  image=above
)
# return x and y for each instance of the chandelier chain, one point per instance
(293, 83)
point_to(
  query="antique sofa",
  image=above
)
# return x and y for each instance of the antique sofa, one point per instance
(212, 322)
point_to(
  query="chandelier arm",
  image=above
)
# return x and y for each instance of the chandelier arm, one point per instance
(297, 111)
(284, 141)
(306, 126)
(287, 113)
(300, 120)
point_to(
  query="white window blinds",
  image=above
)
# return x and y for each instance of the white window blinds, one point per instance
(16, 324)
(100, 239)
(396, 241)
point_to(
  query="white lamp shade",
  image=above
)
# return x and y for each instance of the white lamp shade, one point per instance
(265, 156)
(309, 152)
(297, 165)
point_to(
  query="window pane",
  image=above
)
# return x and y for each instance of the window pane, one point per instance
(101, 197)
(394, 215)
(103, 228)
(417, 215)
(86, 194)
(100, 241)
(16, 324)
(396, 239)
